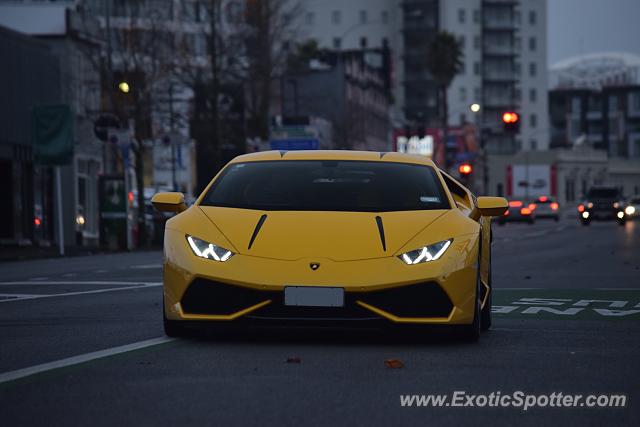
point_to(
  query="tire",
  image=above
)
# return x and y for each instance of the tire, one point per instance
(471, 333)
(485, 315)
(173, 328)
(621, 222)
(556, 219)
(586, 223)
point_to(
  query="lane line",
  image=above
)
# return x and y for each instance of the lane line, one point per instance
(38, 278)
(68, 294)
(78, 282)
(146, 266)
(82, 358)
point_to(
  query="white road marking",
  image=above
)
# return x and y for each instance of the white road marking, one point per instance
(80, 282)
(83, 358)
(17, 295)
(146, 266)
(69, 275)
(101, 271)
(39, 278)
(135, 285)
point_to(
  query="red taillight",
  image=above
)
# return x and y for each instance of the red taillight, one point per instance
(37, 221)
(543, 199)
(506, 212)
(525, 211)
(580, 208)
(130, 196)
(532, 206)
(515, 204)
(554, 206)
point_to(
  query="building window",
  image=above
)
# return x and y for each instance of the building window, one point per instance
(463, 93)
(363, 17)
(613, 104)
(533, 69)
(462, 15)
(337, 42)
(476, 16)
(476, 68)
(532, 44)
(517, 94)
(634, 103)
(533, 95)
(517, 17)
(477, 94)
(336, 17)
(463, 118)
(517, 68)
(384, 17)
(310, 18)
(532, 17)
(533, 120)
(517, 43)
(533, 144)
(476, 42)
(363, 42)
(462, 41)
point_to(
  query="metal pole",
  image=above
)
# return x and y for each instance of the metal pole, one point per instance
(59, 211)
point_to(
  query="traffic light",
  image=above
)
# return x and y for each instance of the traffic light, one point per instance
(511, 122)
(465, 169)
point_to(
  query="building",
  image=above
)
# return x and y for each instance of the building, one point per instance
(504, 43)
(595, 100)
(61, 64)
(349, 91)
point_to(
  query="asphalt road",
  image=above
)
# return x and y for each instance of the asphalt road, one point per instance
(80, 344)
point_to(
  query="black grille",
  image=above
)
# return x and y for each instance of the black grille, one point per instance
(209, 297)
(420, 300)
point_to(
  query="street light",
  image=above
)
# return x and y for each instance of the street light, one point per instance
(475, 107)
(124, 87)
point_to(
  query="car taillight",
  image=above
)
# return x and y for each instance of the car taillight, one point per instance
(580, 208)
(515, 204)
(532, 206)
(542, 199)
(525, 211)
(506, 213)
(554, 206)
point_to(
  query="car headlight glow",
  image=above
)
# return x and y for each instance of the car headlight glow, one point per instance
(208, 250)
(630, 210)
(427, 253)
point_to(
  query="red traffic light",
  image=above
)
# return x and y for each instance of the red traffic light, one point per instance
(510, 117)
(465, 169)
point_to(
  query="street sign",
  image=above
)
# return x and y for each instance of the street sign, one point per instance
(294, 144)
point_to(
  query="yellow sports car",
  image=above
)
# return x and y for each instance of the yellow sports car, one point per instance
(307, 237)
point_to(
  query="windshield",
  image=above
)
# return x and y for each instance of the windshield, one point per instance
(328, 185)
(603, 193)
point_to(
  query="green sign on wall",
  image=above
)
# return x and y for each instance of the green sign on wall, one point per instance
(52, 134)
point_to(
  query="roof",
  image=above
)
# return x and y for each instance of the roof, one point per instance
(596, 70)
(334, 155)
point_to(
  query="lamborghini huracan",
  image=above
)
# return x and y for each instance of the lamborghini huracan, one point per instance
(329, 237)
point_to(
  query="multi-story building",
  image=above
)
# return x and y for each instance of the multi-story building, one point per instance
(56, 27)
(504, 45)
(595, 100)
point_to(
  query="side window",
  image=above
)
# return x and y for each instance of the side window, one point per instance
(460, 195)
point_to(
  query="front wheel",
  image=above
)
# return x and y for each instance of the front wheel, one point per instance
(471, 333)
(586, 222)
(173, 328)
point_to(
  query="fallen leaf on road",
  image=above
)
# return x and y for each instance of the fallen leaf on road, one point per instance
(394, 364)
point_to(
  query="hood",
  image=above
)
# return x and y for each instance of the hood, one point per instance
(339, 236)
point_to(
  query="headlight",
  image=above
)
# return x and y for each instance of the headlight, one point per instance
(427, 253)
(616, 205)
(208, 250)
(630, 210)
(589, 205)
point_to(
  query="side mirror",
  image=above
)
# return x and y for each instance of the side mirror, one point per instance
(169, 202)
(490, 206)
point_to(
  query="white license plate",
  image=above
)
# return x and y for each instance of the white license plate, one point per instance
(313, 296)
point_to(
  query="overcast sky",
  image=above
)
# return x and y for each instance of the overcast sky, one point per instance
(585, 26)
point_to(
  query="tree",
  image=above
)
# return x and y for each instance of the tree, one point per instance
(272, 28)
(444, 62)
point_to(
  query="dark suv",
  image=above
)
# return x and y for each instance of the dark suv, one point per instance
(602, 203)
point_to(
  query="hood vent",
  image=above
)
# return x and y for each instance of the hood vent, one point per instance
(381, 231)
(261, 221)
